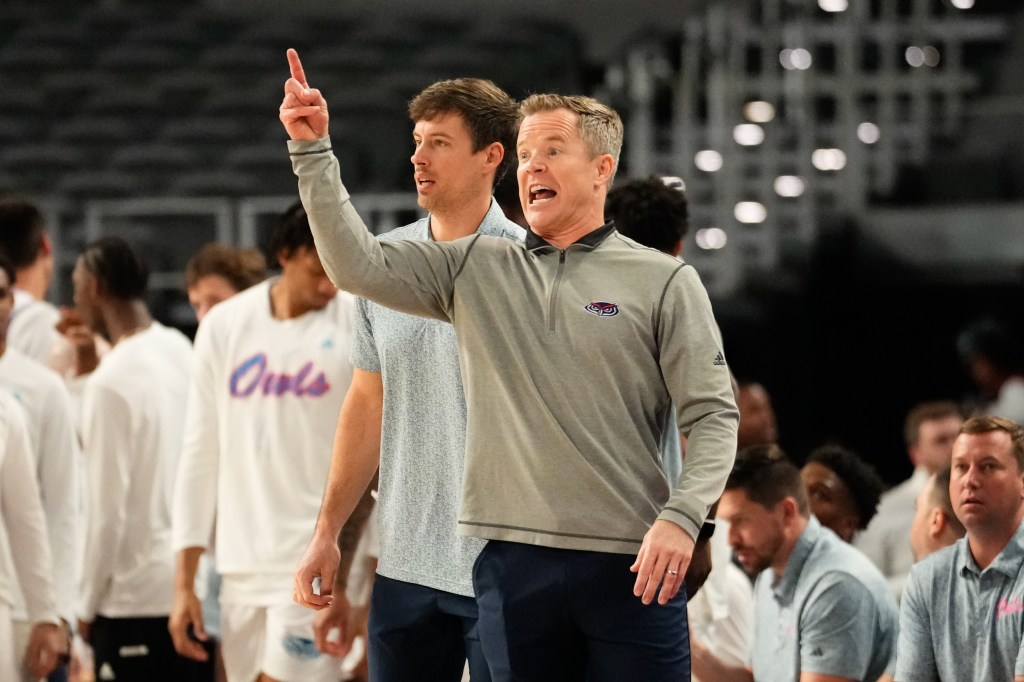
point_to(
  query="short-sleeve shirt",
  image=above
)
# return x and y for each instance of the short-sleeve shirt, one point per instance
(829, 613)
(958, 622)
(423, 433)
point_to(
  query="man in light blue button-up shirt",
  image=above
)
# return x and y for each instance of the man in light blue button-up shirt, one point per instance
(962, 615)
(822, 611)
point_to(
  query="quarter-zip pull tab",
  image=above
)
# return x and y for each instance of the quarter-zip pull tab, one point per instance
(554, 290)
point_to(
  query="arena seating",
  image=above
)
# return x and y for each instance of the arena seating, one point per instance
(177, 98)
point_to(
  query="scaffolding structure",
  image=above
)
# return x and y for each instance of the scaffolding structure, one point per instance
(787, 115)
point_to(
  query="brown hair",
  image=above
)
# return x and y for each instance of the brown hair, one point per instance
(489, 112)
(926, 412)
(979, 425)
(21, 231)
(767, 476)
(242, 268)
(598, 124)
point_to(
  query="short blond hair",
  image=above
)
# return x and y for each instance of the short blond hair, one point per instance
(598, 124)
(986, 424)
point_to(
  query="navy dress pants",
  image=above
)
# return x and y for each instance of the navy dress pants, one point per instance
(419, 634)
(570, 616)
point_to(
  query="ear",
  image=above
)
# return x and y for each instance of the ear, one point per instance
(95, 287)
(494, 153)
(789, 509)
(284, 255)
(937, 522)
(912, 454)
(605, 169)
(45, 245)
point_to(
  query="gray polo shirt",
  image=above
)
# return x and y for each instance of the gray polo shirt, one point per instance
(958, 622)
(423, 433)
(830, 613)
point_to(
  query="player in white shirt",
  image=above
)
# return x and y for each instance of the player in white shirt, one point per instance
(55, 457)
(31, 647)
(24, 555)
(271, 369)
(929, 432)
(133, 416)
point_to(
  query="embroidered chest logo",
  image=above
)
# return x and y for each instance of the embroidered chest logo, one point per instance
(603, 308)
(252, 376)
(1008, 607)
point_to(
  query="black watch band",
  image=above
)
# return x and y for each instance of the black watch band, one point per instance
(706, 531)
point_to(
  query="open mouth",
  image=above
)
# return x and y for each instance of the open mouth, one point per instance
(540, 194)
(423, 182)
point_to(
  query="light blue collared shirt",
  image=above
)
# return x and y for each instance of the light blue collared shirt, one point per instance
(958, 622)
(831, 612)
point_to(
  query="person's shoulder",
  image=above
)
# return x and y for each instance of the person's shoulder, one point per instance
(28, 305)
(30, 372)
(416, 231)
(898, 496)
(937, 565)
(174, 338)
(32, 316)
(503, 229)
(657, 263)
(837, 560)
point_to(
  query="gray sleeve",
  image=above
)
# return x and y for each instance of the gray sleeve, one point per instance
(416, 277)
(915, 654)
(364, 347)
(698, 381)
(837, 627)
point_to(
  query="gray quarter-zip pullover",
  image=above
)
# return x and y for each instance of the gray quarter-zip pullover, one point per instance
(569, 361)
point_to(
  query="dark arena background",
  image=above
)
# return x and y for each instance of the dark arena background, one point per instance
(855, 170)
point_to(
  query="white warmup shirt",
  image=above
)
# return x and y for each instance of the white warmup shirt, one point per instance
(886, 540)
(722, 614)
(24, 550)
(55, 458)
(33, 327)
(133, 417)
(262, 411)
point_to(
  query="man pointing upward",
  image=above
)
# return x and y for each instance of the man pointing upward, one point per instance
(562, 471)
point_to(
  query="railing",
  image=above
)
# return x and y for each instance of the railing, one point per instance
(169, 230)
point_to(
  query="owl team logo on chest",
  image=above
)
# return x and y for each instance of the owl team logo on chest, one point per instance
(252, 376)
(602, 308)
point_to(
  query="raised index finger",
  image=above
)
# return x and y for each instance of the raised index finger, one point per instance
(296, 67)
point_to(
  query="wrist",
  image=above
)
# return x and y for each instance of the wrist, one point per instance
(706, 531)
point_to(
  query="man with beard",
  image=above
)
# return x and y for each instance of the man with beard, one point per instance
(822, 611)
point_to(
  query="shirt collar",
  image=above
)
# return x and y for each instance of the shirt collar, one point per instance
(1008, 561)
(589, 240)
(494, 224)
(786, 585)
